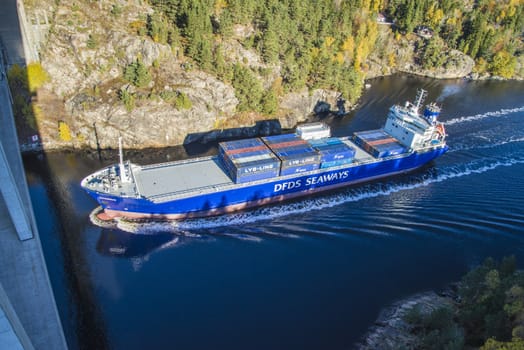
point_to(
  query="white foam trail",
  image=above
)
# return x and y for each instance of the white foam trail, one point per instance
(480, 116)
(464, 147)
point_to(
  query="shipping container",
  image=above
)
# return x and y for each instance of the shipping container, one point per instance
(280, 138)
(262, 153)
(283, 141)
(299, 159)
(247, 144)
(378, 143)
(389, 149)
(243, 177)
(253, 164)
(291, 151)
(298, 169)
(334, 163)
(325, 142)
(313, 131)
(248, 160)
(337, 152)
(253, 170)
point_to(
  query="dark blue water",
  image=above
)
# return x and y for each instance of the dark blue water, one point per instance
(308, 274)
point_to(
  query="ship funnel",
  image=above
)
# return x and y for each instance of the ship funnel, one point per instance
(431, 113)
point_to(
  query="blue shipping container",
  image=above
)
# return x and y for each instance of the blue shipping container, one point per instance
(243, 178)
(300, 160)
(249, 154)
(337, 154)
(297, 154)
(334, 163)
(253, 167)
(386, 150)
(299, 169)
(281, 138)
(325, 142)
(239, 144)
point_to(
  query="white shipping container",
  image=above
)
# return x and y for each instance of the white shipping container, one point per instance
(313, 131)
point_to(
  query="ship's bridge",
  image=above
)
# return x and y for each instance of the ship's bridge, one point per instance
(413, 130)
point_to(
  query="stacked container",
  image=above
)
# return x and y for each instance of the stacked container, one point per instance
(333, 152)
(248, 160)
(296, 154)
(378, 143)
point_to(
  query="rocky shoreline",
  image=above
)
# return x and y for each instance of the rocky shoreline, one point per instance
(391, 331)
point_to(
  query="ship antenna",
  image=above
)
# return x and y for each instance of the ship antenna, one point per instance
(421, 96)
(123, 173)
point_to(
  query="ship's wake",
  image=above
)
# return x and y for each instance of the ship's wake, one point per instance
(484, 142)
(480, 116)
(219, 225)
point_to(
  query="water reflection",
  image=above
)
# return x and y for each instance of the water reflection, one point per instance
(129, 245)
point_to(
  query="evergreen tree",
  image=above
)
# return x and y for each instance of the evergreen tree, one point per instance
(137, 73)
(248, 89)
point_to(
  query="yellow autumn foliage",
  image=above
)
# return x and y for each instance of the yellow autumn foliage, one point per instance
(36, 76)
(64, 133)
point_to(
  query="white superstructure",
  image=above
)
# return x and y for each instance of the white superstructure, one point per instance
(413, 130)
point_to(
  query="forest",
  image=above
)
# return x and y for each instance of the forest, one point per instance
(325, 43)
(489, 312)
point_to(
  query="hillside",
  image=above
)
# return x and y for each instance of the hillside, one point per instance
(155, 72)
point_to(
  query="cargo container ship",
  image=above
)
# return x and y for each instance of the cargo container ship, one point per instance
(258, 171)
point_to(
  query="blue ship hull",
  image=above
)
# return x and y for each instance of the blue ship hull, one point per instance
(252, 194)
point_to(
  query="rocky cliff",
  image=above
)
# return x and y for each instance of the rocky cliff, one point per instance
(90, 44)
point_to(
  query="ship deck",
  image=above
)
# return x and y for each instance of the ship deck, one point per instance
(360, 154)
(172, 178)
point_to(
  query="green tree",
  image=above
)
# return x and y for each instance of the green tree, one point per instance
(137, 73)
(270, 46)
(248, 89)
(157, 28)
(433, 54)
(269, 102)
(503, 64)
(514, 344)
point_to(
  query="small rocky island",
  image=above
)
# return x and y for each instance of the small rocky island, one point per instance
(485, 310)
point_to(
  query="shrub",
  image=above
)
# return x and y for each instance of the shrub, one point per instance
(91, 43)
(36, 76)
(64, 133)
(127, 98)
(182, 101)
(116, 10)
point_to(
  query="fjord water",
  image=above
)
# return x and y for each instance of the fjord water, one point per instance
(312, 273)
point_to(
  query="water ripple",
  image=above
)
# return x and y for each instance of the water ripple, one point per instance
(470, 118)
